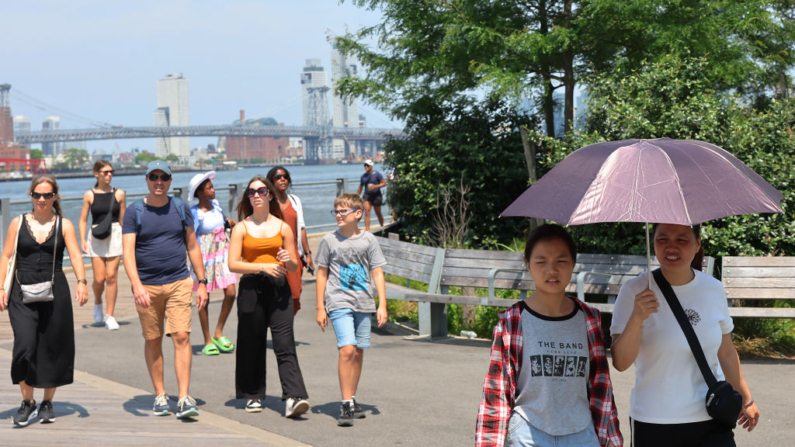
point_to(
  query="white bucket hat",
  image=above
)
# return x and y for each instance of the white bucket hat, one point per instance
(197, 180)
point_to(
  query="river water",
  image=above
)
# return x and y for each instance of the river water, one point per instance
(317, 200)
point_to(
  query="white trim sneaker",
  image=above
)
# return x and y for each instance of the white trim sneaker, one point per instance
(295, 407)
(98, 313)
(111, 323)
(186, 408)
(253, 406)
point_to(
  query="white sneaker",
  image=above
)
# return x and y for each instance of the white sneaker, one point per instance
(111, 323)
(295, 407)
(98, 313)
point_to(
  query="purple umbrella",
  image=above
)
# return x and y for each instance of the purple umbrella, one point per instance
(684, 182)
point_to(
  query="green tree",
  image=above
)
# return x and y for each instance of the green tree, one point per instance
(36, 154)
(438, 51)
(143, 158)
(76, 157)
(172, 158)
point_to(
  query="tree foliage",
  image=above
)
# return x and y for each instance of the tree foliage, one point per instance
(36, 154)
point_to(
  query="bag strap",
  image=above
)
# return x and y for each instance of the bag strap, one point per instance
(687, 328)
(55, 246)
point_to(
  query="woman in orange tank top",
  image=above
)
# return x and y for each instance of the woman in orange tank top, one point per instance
(262, 250)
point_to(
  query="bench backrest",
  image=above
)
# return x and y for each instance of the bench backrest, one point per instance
(411, 261)
(759, 278)
(471, 268)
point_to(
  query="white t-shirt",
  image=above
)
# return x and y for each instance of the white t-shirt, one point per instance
(669, 387)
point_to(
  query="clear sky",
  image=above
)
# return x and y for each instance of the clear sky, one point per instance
(101, 59)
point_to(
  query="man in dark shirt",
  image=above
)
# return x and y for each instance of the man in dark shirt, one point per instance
(156, 234)
(371, 182)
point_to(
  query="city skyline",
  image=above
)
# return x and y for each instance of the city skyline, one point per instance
(235, 55)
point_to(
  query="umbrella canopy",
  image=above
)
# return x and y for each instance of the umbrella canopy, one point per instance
(684, 182)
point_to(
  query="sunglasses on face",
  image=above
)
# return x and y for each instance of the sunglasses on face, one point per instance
(282, 176)
(342, 213)
(111, 172)
(155, 177)
(251, 192)
(39, 195)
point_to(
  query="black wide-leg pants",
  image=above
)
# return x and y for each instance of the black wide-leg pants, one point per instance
(263, 301)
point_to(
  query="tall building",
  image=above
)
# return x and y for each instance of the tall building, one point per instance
(346, 109)
(172, 110)
(314, 107)
(50, 123)
(6, 121)
(21, 124)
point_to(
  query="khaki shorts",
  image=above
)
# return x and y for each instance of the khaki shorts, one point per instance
(169, 301)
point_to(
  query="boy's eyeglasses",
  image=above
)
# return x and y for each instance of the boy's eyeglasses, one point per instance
(342, 213)
(111, 172)
(282, 176)
(155, 177)
(39, 195)
(251, 192)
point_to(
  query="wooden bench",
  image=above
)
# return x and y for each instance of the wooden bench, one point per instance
(759, 278)
(593, 274)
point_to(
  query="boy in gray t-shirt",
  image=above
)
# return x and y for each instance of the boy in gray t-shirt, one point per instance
(347, 261)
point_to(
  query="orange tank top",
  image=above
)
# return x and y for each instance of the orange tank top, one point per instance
(262, 250)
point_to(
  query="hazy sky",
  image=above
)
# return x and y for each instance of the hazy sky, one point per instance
(101, 59)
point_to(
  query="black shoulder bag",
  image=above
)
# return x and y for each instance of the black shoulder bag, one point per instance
(103, 228)
(723, 403)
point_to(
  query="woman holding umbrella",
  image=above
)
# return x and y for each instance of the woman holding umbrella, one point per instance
(548, 382)
(667, 401)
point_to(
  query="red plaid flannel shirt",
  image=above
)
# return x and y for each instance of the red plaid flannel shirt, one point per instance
(499, 388)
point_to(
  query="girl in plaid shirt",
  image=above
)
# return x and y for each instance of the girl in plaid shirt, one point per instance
(548, 381)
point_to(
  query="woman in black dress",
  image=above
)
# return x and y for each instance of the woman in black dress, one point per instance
(44, 339)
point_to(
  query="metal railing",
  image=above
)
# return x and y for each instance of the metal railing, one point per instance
(234, 191)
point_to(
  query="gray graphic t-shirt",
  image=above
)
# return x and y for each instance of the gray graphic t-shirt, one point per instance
(350, 261)
(552, 388)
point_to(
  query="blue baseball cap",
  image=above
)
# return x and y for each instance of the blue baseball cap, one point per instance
(162, 165)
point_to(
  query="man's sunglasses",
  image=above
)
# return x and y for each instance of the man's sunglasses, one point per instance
(39, 195)
(281, 176)
(251, 192)
(111, 172)
(155, 177)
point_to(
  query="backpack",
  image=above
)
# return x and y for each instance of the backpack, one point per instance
(138, 206)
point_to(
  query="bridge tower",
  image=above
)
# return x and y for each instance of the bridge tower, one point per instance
(317, 110)
(6, 120)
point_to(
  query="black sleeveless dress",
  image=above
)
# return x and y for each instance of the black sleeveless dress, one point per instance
(44, 337)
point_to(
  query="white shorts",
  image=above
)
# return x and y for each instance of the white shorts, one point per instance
(106, 248)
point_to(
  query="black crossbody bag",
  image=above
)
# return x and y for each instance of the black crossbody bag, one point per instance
(723, 403)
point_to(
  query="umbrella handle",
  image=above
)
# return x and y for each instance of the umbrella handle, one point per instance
(648, 256)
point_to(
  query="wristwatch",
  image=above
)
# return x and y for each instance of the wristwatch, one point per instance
(308, 252)
(202, 281)
(83, 281)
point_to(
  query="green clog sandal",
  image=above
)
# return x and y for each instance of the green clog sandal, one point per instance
(224, 344)
(210, 350)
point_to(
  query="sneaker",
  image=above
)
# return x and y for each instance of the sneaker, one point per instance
(26, 412)
(186, 408)
(45, 412)
(98, 313)
(358, 412)
(253, 406)
(295, 407)
(111, 323)
(346, 415)
(161, 407)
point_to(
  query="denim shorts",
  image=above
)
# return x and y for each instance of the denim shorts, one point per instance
(352, 328)
(522, 434)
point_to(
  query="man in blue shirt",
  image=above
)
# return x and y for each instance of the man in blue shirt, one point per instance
(372, 181)
(156, 234)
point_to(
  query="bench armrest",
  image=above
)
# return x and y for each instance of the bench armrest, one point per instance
(581, 282)
(493, 275)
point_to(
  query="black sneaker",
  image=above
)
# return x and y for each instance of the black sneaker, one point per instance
(45, 412)
(358, 412)
(27, 411)
(346, 415)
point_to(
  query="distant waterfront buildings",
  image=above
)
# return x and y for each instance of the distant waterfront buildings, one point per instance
(172, 110)
(346, 109)
(21, 124)
(51, 149)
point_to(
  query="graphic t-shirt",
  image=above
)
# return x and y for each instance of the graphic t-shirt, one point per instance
(350, 261)
(552, 387)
